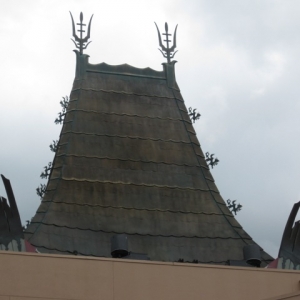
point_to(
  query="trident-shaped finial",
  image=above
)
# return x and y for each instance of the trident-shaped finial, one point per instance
(82, 43)
(167, 50)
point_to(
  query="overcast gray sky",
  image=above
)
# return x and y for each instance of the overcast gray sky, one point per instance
(238, 64)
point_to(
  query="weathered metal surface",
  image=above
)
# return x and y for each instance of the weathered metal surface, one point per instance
(129, 162)
(169, 248)
(125, 70)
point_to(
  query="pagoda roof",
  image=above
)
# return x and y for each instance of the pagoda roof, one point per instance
(129, 162)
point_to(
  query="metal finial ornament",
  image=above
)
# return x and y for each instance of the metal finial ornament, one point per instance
(211, 160)
(194, 116)
(41, 190)
(167, 52)
(81, 43)
(47, 171)
(234, 207)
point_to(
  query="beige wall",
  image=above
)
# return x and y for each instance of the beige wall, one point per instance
(26, 276)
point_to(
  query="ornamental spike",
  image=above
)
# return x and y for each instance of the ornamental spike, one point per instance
(167, 52)
(80, 42)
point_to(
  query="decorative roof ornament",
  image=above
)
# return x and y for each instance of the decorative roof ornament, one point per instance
(167, 52)
(82, 43)
(234, 208)
(211, 160)
(194, 116)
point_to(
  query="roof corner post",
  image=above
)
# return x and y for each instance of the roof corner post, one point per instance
(82, 61)
(168, 53)
(169, 70)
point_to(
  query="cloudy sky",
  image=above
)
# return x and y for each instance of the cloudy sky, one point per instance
(238, 64)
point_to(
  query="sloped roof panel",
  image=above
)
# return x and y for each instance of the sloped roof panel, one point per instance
(129, 162)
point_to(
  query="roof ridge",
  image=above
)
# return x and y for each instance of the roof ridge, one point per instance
(129, 137)
(136, 184)
(142, 209)
(127, 115)
(132, 160)
(141, 234)
(121, 92)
